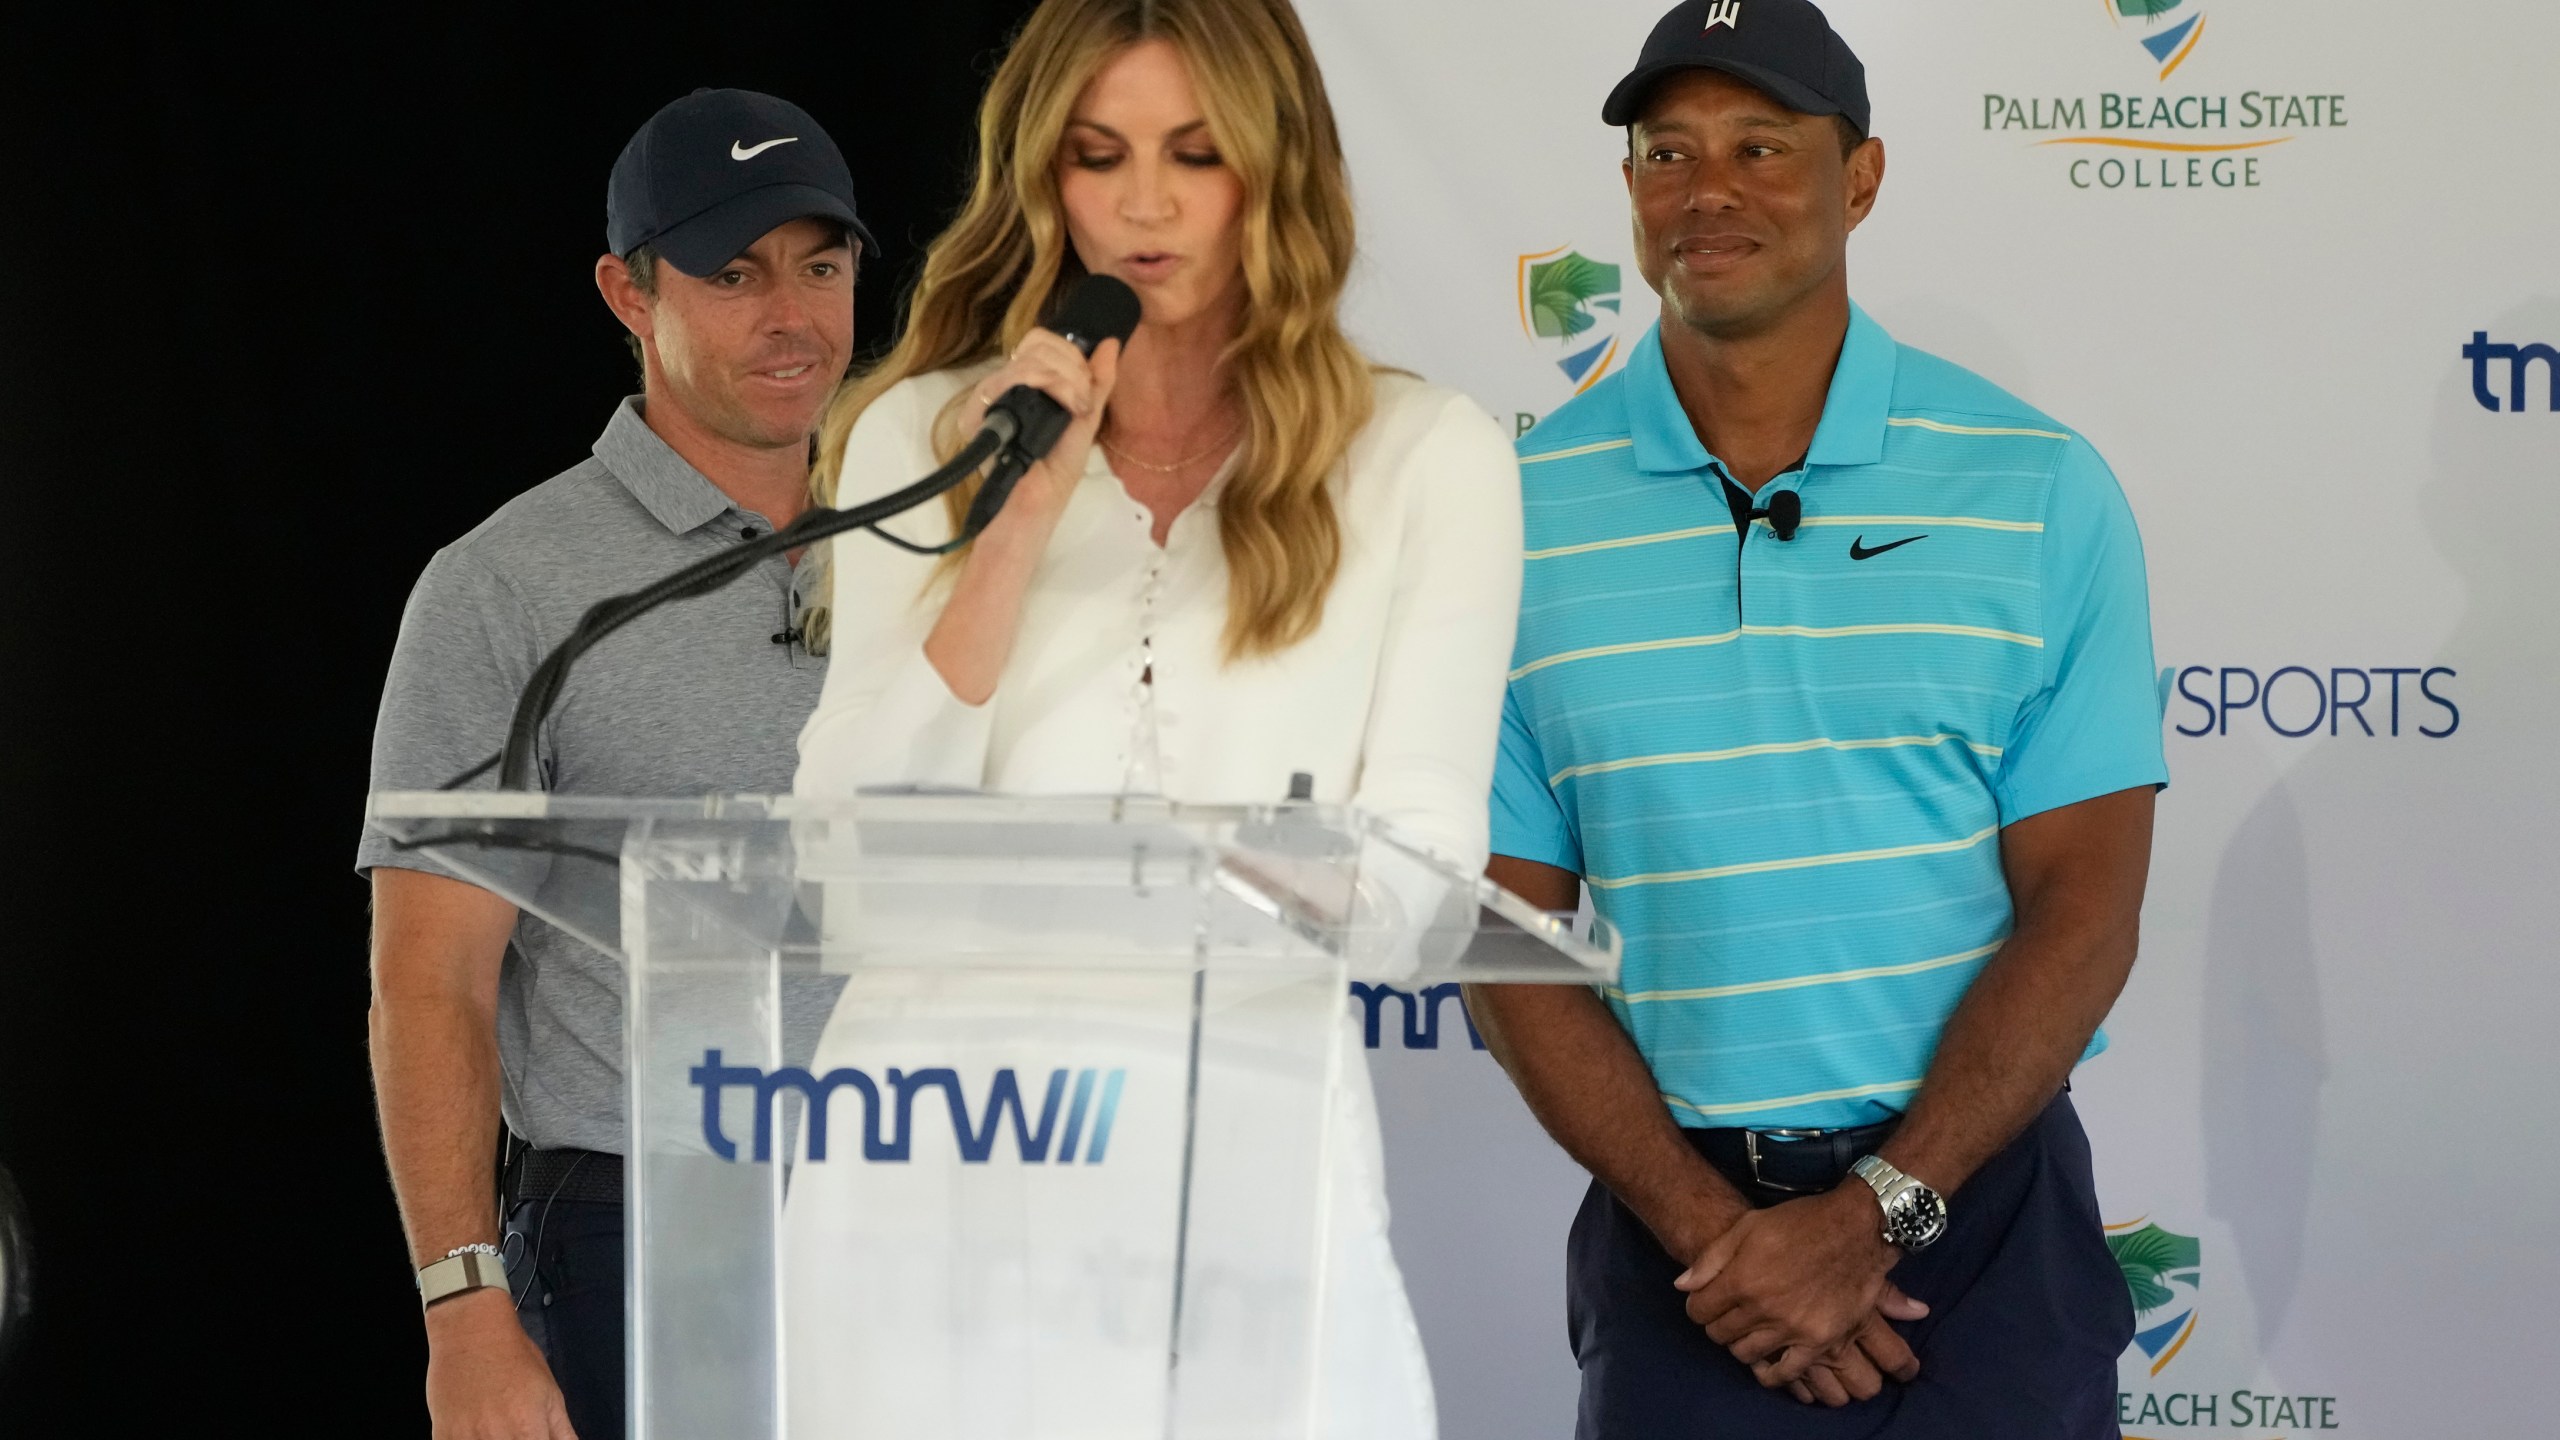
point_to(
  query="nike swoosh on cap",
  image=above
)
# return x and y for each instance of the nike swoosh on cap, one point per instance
(740, 150)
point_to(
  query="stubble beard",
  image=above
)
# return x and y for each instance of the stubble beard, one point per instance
(728, 415)
(1764, 309)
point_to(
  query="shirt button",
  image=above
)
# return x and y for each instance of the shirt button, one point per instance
(750, 533)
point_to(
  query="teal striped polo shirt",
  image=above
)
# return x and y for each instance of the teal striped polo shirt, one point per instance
(1782, 768)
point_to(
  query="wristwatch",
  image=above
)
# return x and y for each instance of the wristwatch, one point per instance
(1914, 1215)
(470, 1267)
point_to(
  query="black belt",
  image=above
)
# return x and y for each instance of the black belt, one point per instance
(1788, 1162)
(591, 1176)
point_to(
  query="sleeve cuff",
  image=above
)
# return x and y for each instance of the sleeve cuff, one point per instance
(2021, 801)
(1553, 850)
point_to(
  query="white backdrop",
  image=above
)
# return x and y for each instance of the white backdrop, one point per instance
(2320, 1133)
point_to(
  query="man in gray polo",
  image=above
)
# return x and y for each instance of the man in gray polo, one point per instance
(733, 239)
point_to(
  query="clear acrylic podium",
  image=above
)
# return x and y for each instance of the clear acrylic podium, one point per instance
(969, 1116)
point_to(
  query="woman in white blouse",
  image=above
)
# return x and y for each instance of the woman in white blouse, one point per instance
(1252, 554)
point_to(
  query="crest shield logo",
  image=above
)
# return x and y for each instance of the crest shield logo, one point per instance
(1570, 306)
(2162, 1270)
(2168, 29)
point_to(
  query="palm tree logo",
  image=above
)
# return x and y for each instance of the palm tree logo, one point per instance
(2169, 38)
(1569, 304)
(2162, 1269)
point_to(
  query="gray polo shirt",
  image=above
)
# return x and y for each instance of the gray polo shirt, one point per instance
(696, 698)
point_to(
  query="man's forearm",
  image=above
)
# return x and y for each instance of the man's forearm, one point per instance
(2007, 1051)
(1583, 1079)
(438, 945)
(435, 1075)
(2077, 877)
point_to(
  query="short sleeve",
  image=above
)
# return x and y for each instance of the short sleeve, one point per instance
(2094, 726)
(467, 645)
(1528, 822)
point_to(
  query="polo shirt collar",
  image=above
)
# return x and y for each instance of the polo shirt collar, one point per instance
(1853, 412)
(1664, 441)
(672, 491)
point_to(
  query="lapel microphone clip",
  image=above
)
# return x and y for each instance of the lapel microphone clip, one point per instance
(1784, 513)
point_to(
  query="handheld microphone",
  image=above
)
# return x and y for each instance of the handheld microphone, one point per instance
(1027, 421)
(1021, 427)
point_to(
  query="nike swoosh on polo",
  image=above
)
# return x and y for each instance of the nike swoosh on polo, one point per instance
(1858, 548)
(740, 150)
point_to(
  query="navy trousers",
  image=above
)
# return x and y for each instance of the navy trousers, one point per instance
(565, 1268)
(2027, 1314)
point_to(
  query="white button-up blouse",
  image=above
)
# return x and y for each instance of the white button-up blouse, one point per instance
(1118, 679)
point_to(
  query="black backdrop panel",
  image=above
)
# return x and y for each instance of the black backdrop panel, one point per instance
(287, 301)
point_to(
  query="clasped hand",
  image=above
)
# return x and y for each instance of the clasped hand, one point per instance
(1798, 1293)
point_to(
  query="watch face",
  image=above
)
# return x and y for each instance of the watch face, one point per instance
(1919, 1217)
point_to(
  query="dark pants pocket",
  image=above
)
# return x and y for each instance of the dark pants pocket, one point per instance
(567, 1273)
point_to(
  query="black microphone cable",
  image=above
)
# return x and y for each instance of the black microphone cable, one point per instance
(1020, 427)
(542, 691)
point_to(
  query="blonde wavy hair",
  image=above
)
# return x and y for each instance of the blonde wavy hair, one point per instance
(1003, 264)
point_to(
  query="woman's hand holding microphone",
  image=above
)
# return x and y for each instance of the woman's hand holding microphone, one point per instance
(973, 638)
(1053, 365)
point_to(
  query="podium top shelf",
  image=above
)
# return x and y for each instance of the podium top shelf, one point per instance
(944, 880)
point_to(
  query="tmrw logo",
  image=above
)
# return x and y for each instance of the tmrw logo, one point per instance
(2483, 353)
(1086, 1120)
(1421, 1013)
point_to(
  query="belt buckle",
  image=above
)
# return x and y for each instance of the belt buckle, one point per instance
(1751, 1152)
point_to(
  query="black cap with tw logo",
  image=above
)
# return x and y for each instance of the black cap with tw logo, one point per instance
(1785, 47)
(711, 173)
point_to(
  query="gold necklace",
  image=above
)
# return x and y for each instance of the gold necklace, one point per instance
(1182, 464)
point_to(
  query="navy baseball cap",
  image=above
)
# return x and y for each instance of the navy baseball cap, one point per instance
(1784, 47)
(712, 172)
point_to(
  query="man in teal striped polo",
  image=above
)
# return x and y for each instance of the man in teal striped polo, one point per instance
(1834, 685)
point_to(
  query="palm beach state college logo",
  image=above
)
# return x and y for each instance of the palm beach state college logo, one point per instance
(1570, 309)
(2162, 138)
(2163, 1272)
(2169, 30)
(2162, 1268)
